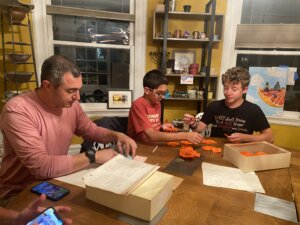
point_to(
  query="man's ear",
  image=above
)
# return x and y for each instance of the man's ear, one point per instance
(245, 90)
(46, 84)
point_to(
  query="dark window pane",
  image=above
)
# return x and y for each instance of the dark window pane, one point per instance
(270, 11)
(103, 5)
(101, 68)
(80, 29)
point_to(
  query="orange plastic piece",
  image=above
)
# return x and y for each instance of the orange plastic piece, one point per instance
(188, 152)
(186, 143)
(173, 143)
(208, 141)
(259, 153)
(216, 150)
(207, 147)
(246, 153)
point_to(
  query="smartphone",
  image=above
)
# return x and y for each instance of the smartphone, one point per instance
(48, 216)
(52, 191)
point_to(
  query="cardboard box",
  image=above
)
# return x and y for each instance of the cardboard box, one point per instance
(275, 158)
(144, 202)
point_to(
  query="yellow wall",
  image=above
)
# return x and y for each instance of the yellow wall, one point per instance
(176, 109)
(286, 136)
(21, 34)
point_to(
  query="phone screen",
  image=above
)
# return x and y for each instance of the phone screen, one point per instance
(52, 191)
(49, 216)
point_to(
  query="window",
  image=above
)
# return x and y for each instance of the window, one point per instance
(270, 12)
(99, 36)
(259, 12)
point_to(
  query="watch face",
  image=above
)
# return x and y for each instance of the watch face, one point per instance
(91, 152)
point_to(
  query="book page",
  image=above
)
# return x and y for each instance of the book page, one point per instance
(227, 177)
(120, 175)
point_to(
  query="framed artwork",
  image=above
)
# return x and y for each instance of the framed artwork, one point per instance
(119, 99)
(183, 58)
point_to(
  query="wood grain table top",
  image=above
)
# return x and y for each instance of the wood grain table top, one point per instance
(192, 202)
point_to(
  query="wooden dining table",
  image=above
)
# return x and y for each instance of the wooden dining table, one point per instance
(191, 202)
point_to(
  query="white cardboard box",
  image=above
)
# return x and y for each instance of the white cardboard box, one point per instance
(275, 158)
(144, 202)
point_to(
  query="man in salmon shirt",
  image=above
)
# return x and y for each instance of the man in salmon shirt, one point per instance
(38, 128)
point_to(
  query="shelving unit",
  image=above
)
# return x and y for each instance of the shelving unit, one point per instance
(212, 26)
(19, 67)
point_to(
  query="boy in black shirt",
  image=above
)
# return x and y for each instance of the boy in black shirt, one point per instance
(234, 117)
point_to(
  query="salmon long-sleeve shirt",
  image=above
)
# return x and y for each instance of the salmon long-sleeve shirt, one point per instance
(36, 141)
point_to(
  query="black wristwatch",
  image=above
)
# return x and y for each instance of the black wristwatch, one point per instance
(91, 154)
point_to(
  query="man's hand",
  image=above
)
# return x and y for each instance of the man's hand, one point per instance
(104, 155)
(126, 144)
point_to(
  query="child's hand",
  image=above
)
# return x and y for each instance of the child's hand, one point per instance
(189, 119)
(167, 126)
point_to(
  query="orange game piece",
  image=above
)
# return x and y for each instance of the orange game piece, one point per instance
(186, 143)
(216, 150)
(173, 143)
(246, 153)
(188, 152)
(208, 141)
(207, 147)
(259, 153)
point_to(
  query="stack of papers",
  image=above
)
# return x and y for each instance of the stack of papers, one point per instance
(120, 175)
(227, 177)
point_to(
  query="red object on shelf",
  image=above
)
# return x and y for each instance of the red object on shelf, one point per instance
(193, 68)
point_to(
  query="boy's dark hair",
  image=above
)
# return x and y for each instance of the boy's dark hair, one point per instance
(236, 75)
(55, 67)
(154, 78)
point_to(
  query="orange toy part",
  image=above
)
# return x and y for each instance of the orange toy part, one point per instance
(188, 152)
(186, 143)
(246, 153)
(208, 141)
(260, 153)
(173, 143)
(207, 147)
(216, 150)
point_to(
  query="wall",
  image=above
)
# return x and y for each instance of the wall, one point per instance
(20, 34)
(176, 109)
(286, 136)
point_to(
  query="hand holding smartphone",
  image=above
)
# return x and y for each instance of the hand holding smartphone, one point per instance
(52, 191)
(48, 216)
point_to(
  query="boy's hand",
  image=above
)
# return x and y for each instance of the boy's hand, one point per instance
(194, 137)
(167, 126)
(235, 137)
(189, 119)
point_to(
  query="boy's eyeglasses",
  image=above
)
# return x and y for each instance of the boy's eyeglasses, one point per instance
(159, 94)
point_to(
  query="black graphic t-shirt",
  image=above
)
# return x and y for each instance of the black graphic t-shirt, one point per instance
(246, 118)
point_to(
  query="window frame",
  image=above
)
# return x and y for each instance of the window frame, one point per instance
(44, 47)
(229, 57)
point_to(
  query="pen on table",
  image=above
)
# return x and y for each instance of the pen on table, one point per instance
(155, 148)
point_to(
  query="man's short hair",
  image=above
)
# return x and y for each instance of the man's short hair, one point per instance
(236, 75)
(55, 67)
(154, 78)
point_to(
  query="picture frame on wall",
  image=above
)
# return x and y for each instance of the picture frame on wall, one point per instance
(183, 58)
(119, 99)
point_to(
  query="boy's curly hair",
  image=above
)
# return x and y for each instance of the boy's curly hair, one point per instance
(236, 75)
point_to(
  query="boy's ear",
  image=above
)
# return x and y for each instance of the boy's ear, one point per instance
(46, 84)
(146, 90)
(245, 90)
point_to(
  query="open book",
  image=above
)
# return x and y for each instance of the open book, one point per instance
(120, 175)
